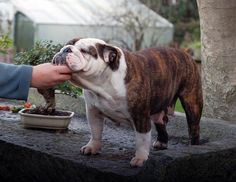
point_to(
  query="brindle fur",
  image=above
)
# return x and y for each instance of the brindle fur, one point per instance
(155, 78)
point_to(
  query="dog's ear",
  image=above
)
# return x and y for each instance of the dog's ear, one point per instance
(72, 41)
(109, 54)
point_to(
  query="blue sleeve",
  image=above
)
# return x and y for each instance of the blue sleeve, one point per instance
(15, 81)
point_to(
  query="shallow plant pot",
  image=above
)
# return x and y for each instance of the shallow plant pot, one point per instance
(30, 120)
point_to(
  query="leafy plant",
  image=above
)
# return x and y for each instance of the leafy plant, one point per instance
(69, 89)
(43, 52)
(183, 14)
(5, 44)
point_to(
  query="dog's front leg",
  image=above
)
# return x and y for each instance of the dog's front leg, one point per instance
(143, 142)
(95, 121)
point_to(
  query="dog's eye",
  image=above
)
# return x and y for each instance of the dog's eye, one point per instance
(67, 50)
(91, 52)
(83, 51)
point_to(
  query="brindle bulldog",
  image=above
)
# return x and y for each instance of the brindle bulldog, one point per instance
(134, 87)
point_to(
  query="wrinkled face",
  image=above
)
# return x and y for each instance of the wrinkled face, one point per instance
(88, 55)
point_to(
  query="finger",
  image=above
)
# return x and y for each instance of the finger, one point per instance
(47, 64)
(63, 77)
(63, 69)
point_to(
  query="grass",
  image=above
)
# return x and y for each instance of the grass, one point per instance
(178, 107)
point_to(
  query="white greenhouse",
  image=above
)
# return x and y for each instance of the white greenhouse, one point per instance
(122, 21)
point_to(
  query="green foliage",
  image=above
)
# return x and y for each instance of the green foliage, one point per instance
(69, 89)
(184, 15)
(43, 52)
(5, 44)
(186, 20)
(196, 45)
(187, 31)
(178, 107)
(183, 11)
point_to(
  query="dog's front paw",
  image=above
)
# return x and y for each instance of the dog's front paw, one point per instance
(138, 161)
(92, 147)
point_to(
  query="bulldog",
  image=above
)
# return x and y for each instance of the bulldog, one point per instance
(133, 87)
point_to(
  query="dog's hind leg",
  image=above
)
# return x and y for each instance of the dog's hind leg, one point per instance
(160, 120)
(192, 102)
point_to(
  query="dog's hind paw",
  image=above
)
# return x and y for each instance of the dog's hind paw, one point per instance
(159, 145)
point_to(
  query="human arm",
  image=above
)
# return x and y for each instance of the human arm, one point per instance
(15, 80)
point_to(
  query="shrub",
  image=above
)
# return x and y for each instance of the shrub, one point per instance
(187, 31)
(5, 44)
(184, 15)
(43, 52)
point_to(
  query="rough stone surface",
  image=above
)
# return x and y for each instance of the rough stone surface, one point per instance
(45, 155)
(218, 37)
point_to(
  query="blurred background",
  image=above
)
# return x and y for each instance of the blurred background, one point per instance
(130, 24)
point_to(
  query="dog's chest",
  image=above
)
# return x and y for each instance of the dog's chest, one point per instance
(114, 108)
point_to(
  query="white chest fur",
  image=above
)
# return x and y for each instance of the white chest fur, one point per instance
(112, 101)
(115, 108)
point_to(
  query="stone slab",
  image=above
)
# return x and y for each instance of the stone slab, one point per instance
(45, 155)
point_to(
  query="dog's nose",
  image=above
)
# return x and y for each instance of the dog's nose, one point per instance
(67, 50)
(59, 59)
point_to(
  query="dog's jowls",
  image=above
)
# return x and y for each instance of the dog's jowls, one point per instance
(133, 87)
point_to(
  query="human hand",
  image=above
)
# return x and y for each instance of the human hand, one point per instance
(48, 75)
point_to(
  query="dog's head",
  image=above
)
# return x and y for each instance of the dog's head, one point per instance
(88, 54)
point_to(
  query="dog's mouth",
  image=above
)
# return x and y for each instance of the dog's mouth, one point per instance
(59, 59)
(76, 60)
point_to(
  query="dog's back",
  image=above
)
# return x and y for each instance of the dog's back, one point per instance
(163, 74)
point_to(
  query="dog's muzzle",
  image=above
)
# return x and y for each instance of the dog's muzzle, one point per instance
(60, 57)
